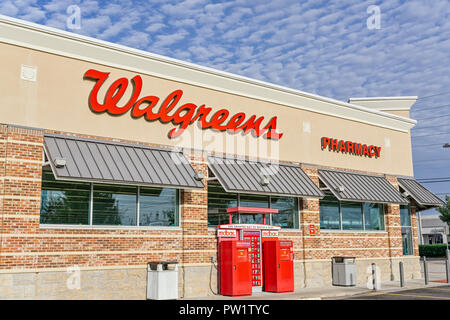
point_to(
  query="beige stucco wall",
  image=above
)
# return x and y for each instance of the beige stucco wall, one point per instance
(58, 100)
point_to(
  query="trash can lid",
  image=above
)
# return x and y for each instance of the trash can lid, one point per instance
(340, 259)
(153, 265)
(163, 262)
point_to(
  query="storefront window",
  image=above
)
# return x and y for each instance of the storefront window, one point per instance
(373, 216)
(68, 202)
(351, 215)
(114, 205)
(329, 213)
(407, 238)
(253, 200)
(405, 216)
(218, 202)
(158, 207)
(345, 215)
(64, 202)
(287, 216)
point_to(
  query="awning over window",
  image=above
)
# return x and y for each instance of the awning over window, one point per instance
(419, 193)
(272, 178)
(73, 158)
(349, 186)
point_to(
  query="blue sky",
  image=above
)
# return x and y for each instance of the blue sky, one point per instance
(322, 47)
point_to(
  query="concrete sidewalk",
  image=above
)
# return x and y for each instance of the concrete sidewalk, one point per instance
(436, 272)
(326, 292)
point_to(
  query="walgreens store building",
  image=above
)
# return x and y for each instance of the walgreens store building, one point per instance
(112, 157)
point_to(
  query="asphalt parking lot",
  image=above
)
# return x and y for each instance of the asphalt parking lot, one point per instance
(432, 293)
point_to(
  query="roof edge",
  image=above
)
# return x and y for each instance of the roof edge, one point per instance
(384, 98)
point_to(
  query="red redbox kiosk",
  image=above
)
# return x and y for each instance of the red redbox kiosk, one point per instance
(235, 268)
(278, 266)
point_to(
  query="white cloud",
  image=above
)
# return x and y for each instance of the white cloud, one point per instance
(136, 39)
(169, 39)
(33, 14)
(154, 27)
(8, 8)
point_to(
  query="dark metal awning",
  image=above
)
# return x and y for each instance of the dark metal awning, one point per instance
(419, 193)
(73, 158)
(350, 186)
(257, 177)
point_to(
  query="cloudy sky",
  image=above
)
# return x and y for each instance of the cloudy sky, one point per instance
(332, 48)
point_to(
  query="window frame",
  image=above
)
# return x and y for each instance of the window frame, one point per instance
(409, 234)
(177, 206)
(269, 205)
(98, 226)
(383, 213)
(363, 218)
(350, 205)
(339, 215)
(297, 210)
(88, 189)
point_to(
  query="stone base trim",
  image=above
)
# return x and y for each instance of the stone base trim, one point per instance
(195, 279)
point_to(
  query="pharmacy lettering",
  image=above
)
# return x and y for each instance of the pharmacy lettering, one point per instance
(350, 147)
(184, 116)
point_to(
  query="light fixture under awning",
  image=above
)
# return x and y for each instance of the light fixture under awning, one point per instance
(419, 193)
(258, 177)
(350, 186)
(73, 158)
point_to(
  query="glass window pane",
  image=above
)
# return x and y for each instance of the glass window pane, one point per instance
(287, 216)
(405, 220)
(114, 205)
(405, 216)
(158, 207)
(329, 213)
(253, 200)
(64, 202)
(407, 242)
(373, 216)
(252, 218)
(218, 202)
(351, 215)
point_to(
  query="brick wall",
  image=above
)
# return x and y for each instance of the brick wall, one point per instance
(21, 165)
(27, 246)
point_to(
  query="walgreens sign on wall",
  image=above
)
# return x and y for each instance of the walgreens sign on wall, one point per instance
(152, 108)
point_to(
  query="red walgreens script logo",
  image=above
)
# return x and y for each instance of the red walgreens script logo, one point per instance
(184, 116)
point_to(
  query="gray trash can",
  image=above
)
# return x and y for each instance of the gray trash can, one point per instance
(162, 280)
(344, 271)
